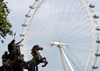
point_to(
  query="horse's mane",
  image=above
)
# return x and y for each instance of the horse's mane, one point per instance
(34, 47)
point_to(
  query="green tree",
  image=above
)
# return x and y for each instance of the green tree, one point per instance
(5, 26)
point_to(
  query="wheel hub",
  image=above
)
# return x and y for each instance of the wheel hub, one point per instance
(58, 44)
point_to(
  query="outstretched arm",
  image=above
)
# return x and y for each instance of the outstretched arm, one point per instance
(20, 41)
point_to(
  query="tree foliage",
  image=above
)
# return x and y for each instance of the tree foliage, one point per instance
(5, 26)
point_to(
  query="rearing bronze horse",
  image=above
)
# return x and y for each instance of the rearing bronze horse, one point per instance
(37, 58)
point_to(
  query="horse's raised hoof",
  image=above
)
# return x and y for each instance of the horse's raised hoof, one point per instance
(45, 64)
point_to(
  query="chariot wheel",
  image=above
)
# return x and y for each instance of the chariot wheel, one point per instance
(68, 32)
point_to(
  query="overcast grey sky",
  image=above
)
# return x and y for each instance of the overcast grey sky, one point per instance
(17, 16)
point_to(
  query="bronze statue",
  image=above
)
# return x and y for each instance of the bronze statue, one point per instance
(13, 60)
(37, 58)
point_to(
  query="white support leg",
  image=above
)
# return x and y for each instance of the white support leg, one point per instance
(62, 60)
(62, 52)
(67, 60)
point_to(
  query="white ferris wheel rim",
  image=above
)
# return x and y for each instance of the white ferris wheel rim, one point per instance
(89, 12)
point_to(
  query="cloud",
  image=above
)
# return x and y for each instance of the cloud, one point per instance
(47, 14)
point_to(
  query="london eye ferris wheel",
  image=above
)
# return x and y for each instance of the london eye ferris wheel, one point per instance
(68, 32)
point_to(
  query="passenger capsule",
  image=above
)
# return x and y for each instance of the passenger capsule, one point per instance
(91, 6)
(37, 0)
(27, 15)
(31, 7)
(22, 35)
(94, 67)
(97, 28)
(24, 25)
(95, 16)
(98, 41)
(21, 45)
(97, 54)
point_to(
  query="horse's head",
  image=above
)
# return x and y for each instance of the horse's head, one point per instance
(37, 47)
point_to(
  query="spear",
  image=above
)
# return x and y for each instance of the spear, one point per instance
(14, 35)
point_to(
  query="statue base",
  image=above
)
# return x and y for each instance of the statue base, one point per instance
(33, 68)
